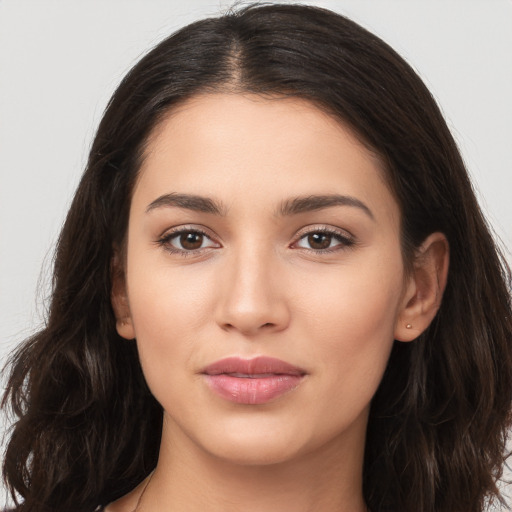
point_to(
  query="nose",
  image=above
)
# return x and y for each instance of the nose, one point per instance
(253, 297)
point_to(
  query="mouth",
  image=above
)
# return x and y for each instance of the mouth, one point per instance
(252, 381)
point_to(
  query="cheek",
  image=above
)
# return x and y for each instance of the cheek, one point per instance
(360, 297)
(168, 311)
(161, 303)
(350, 322)
(164, 298)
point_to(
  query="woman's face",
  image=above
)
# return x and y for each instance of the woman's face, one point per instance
(262, 228)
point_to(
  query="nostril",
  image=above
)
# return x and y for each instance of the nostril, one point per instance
(247, 329)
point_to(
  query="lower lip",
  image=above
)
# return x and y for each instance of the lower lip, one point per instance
(258, 390)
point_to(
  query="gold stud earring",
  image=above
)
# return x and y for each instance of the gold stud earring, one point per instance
(408, 326)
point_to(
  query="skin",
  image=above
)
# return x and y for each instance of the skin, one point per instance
(264, 281)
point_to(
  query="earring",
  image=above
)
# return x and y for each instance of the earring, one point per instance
(408, 326)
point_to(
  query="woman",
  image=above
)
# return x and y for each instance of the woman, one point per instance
(274, 290)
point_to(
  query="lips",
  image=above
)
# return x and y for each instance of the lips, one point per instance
(252, 381)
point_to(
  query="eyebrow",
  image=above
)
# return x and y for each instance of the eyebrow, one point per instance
(289, 207)
(318, 202)
(189, 202)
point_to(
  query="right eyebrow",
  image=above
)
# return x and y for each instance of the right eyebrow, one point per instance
(318, 202)
(188, 201)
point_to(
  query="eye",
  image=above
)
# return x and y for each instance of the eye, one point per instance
(186, 241)
(324, 240)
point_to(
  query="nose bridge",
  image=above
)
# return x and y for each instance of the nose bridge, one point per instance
(253, 299)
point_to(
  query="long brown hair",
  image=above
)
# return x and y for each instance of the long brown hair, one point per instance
(88, 429)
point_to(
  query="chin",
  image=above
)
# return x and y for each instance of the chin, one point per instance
(255, 451)
(252, 441)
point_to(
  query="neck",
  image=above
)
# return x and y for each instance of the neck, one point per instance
(190, 479)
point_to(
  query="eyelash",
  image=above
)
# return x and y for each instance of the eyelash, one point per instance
(345, 241)
(165, 241)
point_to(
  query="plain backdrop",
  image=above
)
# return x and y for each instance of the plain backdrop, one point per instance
(61, 60)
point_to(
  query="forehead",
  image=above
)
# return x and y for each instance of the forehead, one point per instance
(216, 115)
(260, 149)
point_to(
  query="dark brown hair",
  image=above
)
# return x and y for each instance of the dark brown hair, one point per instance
(88, 429)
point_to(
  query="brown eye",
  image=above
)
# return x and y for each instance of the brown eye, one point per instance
(187, 241)
(319, 241)
(191, 241)
(324, 241)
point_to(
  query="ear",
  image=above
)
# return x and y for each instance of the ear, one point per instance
(119, 299)
(424, 288)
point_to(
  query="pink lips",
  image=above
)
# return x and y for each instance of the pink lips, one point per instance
(252, 381)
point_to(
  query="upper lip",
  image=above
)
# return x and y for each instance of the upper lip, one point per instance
(256, 366)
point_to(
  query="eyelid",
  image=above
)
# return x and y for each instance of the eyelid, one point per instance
(324, 228)
(165, 238)
(346, 239)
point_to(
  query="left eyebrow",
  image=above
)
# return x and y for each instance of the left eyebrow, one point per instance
(318, 202)
(188, 202)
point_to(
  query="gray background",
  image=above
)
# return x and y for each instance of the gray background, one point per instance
(61, 60)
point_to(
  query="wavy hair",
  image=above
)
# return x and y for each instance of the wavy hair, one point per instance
(88, 429)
